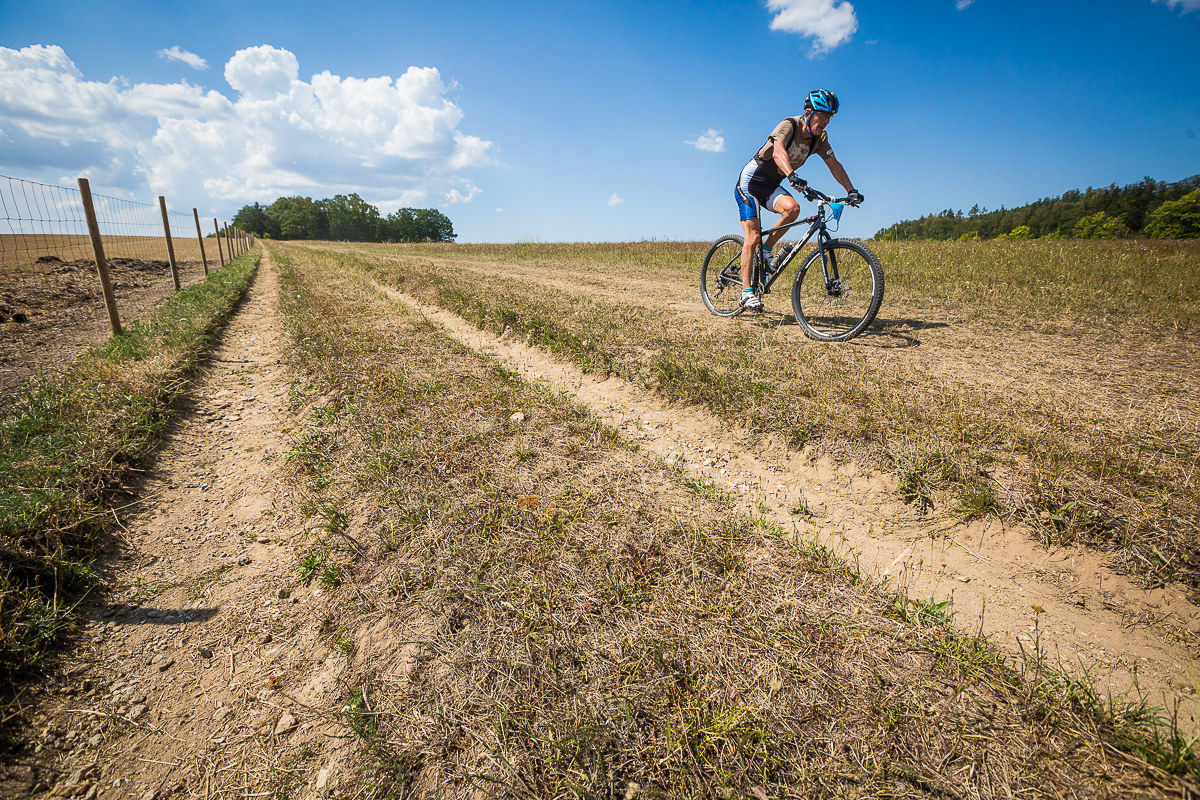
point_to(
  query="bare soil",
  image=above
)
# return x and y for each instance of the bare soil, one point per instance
(173, 683)
(52, 311)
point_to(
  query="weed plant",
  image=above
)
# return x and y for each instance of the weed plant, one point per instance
(570, 618)
(69, 446)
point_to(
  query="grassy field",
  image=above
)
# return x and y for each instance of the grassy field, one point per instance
(1054, 382)
(530, 607)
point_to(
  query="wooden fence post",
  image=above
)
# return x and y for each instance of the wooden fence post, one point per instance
(217, 232)
(162, 204)
(200, 238)
(228, 242)
(89, 211)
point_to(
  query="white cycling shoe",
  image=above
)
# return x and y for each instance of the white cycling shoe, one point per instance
(751, 301)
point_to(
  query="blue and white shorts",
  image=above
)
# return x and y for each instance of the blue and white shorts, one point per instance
(757, 183)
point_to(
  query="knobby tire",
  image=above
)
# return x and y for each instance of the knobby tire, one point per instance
(835, 311)
(721, 276)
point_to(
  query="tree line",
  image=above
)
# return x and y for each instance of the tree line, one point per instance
(1146, 208)
(343, 218)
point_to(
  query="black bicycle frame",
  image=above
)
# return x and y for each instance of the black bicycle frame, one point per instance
(818, 225)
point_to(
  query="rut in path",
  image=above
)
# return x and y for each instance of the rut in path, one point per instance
(170, 680)
(1065, 602)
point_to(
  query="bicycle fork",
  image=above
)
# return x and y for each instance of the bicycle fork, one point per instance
(829, 270)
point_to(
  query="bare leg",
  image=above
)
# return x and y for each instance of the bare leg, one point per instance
(751, 228)
(789, 211)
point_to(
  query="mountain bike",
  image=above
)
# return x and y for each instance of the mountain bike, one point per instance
(832, 304)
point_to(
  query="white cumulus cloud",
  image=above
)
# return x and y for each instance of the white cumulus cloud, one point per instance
(394, 140)
(263, 72)
(178, 54)
(827, 22)
(1184, 6)
(614, 200)
(710, 141)
(462, 192)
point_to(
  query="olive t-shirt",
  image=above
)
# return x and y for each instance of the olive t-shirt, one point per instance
(800, 146)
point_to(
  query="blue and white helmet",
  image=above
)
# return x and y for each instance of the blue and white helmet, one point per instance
(821, 100)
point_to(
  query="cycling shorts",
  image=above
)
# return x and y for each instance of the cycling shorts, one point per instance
(758, 183)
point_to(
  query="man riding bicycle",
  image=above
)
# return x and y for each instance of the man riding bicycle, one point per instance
(786, 149)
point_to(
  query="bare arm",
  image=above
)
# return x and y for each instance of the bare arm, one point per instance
(839, 173)
(780, 156)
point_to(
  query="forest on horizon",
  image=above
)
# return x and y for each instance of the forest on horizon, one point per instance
(1147, 208)
(345, 218)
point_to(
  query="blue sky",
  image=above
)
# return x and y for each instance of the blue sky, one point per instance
(596, 121)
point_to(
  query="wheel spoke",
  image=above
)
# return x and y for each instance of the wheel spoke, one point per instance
(721, 277)
(838, 309)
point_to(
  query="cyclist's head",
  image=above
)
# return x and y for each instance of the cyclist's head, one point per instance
(821, 100)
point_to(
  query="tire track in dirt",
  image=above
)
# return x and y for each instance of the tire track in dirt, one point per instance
(202, 668)
(1118, 380)
(1064, 602)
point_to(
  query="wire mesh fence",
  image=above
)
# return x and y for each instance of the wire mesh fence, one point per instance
(51, 302)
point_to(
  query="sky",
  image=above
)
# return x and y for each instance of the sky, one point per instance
(595, 121)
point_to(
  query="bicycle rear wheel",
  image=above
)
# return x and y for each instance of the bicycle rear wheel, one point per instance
(833, 309)
(721, 276)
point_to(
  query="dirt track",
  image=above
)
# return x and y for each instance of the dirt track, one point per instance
(169, 680)
(173, 680)
(997, 576)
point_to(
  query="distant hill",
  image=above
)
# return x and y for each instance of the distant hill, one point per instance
(1113, 211)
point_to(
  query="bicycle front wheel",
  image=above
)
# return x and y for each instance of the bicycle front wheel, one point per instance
(721, 277)
(836, 299)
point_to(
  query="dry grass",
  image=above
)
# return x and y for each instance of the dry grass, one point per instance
(1082, 420)
(530, 607)
(1083, 289)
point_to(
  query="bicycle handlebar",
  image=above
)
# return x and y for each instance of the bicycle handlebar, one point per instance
(812, 195)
